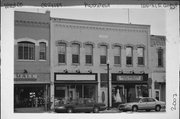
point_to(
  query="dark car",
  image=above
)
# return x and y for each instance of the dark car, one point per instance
(145, 103)
(80, 106)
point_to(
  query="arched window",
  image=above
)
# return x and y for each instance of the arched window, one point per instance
(62, 53)
(26, 50)
(75, 53)
(129, 55)
(117, 54)
(140, 55)
(103, 54)
(42, 51)
(160, 57)
(89, 54)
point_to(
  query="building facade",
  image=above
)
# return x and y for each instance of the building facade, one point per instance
(86, 54)
(31, 59)
(158, 66)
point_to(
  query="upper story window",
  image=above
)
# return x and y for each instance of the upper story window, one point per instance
(160, 58)
(26, 50)
(117, 55)
(62, 53)
(42, 51)
(129, 55)
(75, 53)
(89, 54)
(103, 54)
(140, 55)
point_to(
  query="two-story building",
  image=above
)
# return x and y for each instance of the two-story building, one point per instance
(83, 53)
(31, 59)
(158, 66)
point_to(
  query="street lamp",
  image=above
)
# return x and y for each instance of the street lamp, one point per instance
(108, 84)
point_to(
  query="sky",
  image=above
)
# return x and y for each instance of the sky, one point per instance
(156, 18)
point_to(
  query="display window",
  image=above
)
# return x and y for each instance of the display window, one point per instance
(141, 91)
(75, 92)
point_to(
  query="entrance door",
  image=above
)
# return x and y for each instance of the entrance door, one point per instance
(72, 94)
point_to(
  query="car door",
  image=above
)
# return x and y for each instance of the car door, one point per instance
(151, 103)
(143, 103)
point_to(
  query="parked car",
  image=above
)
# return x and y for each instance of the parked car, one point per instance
(145, 103)
(81, 106)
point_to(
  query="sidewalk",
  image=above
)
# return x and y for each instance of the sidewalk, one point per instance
(30, 110)
(112, 110)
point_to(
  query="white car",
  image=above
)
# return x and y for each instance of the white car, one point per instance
(145, 103)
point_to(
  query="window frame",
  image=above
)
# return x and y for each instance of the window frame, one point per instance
(59, 53)
(74, 63)
(89, 45)
(106, 57)
(162, 57)
(44, 52)
(119, 47)
(141, 57)
(129, 57)
(22, 44)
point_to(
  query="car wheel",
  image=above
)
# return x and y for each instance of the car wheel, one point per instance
(134, 108)
(148, 110)
(158, 108)
(96, 110)
(69, 110)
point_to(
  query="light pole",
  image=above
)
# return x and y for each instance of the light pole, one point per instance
(108, 84)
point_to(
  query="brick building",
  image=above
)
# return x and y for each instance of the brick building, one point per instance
(80, 52)
(31, 59)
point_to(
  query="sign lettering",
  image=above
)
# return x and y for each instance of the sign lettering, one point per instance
(129, 78)
(25, 76)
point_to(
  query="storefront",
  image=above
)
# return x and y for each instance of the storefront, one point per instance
(75, 87)
(29, 91)
(128, 87)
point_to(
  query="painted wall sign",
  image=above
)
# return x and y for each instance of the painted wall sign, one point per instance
(25, 77)
(129, 78)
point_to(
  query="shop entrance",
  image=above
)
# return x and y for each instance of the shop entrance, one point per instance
(74, 92)
(117, 95)
(29, 96)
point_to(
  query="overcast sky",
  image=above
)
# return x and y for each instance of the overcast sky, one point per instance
(154, 17)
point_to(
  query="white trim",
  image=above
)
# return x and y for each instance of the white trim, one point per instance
(31, 40)
(158, 90)
(43, 40)
(25, 39)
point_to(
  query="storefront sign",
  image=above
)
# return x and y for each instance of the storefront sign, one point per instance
(75, 77)
(129, 78)
(27, 77)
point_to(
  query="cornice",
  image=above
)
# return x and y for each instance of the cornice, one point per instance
(32, 23)
(103, 28)
(96, 25)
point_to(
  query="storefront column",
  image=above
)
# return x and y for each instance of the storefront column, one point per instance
(46, 96)
(52, 96)
(110, 90)
(99, 89)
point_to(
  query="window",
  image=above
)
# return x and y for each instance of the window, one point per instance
(75, 53)
(140, 53)
(151, 100)
(104, 79)
(117, 55)
(42, 52)
(62, 53)
(26, 51)
(160, 57)
(103, 54)
(129, 55)
(89, 54)
(141, 91)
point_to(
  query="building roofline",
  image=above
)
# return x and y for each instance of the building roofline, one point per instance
(99, 23)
